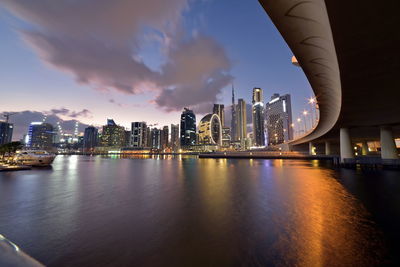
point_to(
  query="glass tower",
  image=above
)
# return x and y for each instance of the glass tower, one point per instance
(258, 117)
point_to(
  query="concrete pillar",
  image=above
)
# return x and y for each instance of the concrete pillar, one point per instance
(310, 148)
(364, 148)
(346, 150)
(327, 148)
(388, 145)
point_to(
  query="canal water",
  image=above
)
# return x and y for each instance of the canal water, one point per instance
(185, 211)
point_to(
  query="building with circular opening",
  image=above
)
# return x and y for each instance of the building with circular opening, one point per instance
(210, 130)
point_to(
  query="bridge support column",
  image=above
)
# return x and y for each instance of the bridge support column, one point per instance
(388, 145)
(327, 148)
(346, 150)
(311, 148)
(364, 148)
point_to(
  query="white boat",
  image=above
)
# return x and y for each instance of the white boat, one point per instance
(34, 157)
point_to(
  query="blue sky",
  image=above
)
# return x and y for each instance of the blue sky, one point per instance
(257, 54)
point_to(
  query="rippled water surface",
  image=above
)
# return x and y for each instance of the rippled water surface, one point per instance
(96, 211)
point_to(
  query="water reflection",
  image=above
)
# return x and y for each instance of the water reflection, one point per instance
(183, 211)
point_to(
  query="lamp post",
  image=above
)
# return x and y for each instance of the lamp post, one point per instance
(299, 121)
(305, 113)
(313, 102)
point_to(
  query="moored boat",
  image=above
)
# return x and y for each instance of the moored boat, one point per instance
(34, 157)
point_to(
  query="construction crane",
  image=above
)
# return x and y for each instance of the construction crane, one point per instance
(7, 116)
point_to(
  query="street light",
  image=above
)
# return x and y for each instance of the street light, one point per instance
(305, 113)
(299, 130)
(313, 102)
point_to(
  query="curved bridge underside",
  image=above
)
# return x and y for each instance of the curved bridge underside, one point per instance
(350, 55)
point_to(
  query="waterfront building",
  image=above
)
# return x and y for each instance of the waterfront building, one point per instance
(219, 110)
(188, 128)
(127, 138)
(258, 117)
(113, 135)
(6, 132)
(148, 137)
(175, 137)
(165, 137)
(233, 117)
(138, 135)
(279, 119)
(90, 138)
(210, 130)
(226, 136)
(241, 122)
(155, 138)
(40, 135)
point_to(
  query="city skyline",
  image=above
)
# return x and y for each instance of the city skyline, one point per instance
(266, 65)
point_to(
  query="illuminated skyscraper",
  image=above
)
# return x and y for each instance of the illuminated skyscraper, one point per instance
(233, 119)
(165, 137)
(138, 135)
(279, 119)
(258, 117)
(241, 122)
(156, 138)
(113, 135)
(40, 135)
(175, 137)
(188, 128)
(6, 131)
(219, 110)
(226, 136)
(90, 138)
(210, 130)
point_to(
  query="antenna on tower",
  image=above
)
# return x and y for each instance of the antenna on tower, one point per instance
(7, 116)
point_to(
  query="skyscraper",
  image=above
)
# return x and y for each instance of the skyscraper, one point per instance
(219, 110)
(175, 137)
(233, 119)
(148, 137)
(155, 138)
(241, 122)
(113, 135)
(279, 119)
(258, 117)
(90, 138)
(6, 131)
(40, 135)
(188, 128)
(210, 130)
(138, 135)
(226, 136)
(165, 137)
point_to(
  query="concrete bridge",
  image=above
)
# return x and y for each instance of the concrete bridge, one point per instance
(349, 52)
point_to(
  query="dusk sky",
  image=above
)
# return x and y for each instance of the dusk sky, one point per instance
(134, 60)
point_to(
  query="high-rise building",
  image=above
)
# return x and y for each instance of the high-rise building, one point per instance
(148, 137)
(127, 138)
(138, 135)
(155, 138)
(175, 137)
(113, 135)
(90, 138)
(165, 137)
(241, 122)
(279, 119)
(226, 136)
(258, 117)
(40, 135)
(188, 128)
(6, 131)
(219, 110)
(233, 118)
(210, 130)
